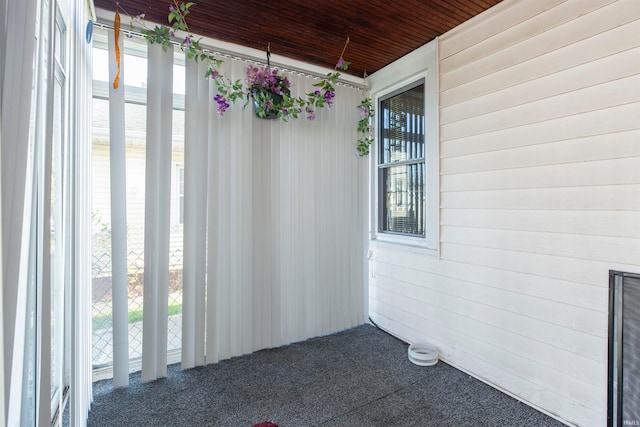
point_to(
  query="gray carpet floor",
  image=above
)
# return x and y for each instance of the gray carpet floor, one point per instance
(358, 377)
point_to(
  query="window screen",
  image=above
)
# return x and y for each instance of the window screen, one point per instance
(402, 162)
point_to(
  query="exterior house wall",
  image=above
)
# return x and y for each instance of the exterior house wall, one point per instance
(135, 156)
(135, 170)
(539, 152)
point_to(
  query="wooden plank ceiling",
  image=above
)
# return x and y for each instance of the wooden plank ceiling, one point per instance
(380, 31)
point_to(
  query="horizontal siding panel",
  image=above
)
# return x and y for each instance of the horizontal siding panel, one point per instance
(592, 24)
(487, 370)
(611, 120)
(600, 147)
(595, 273)
(468, 337)
(500, 19)
(541, 354)
(574, 369)
(506, 332)
(610, 223)
(389, 262)
(592, 173)
(438, 288)
(616, 40)
(613, 67)
(606, 95)
(552, 17)
(618, 197)
(603, 249)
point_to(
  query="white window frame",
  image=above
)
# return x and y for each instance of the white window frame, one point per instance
(390, 165)
(418, 65)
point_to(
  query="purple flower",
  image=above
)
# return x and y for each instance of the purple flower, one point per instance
(172, 7)
(328, 97)
(222, 104)
(187, 41)
(171, 33)
(311, 115)
(267, 79)
(340, 63)
(215, 74)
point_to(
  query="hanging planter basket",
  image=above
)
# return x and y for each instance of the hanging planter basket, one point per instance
(270, 114)
(259, 100)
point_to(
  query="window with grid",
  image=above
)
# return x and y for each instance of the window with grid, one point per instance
(401, 168)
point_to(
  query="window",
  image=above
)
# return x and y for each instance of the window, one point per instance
(134, 82)
(59, 238)
(401, 162)
(405, 181)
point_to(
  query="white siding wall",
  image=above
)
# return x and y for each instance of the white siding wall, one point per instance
(539, 199)
(101, 199)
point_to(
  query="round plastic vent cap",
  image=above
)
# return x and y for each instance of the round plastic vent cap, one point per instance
(423, 354)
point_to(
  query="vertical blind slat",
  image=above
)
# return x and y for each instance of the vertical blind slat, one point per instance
(157, 208)
(118, 220)
(195, 167)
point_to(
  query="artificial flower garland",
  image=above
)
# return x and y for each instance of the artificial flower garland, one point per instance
(269, 90)
(365, 126)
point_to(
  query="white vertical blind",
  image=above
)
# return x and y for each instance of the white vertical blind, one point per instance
(197, 106)
(120, 282)
(286, 225)
(157, 207)
(214, 162)
(274, 222)
(263, 227)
